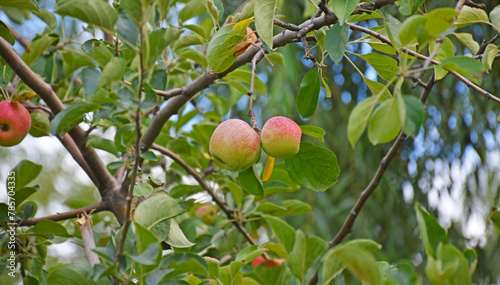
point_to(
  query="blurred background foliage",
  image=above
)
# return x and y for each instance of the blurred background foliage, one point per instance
(452, 167)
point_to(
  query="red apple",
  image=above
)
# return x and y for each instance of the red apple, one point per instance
(15, 123)
(258, 260)
(280, 137)
(235, 145)
(207, 214)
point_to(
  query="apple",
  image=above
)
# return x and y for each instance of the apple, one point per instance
(207, 214)
(258, 260)
(15, 123)
(270, 263)
(235, 145)
(280, 137)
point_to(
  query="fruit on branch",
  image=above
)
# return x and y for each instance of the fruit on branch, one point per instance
(258, 260)
(15, 123)
(280, 137)
(235, 145)
(270, 263)
(207, 214)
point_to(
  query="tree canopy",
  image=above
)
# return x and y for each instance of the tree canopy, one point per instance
(396, 180)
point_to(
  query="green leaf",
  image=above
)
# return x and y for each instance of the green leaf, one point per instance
(489, 56)
(104, 144)
(283, 231)
(336, 40)
(250, 183)
(413, 29)
(50, 228)
(432, 233)
(495, 18)
(415, 112)
(249, 253)
(360, 263)
(24, 172)
(264, 11)
(189, 40)
(359, 118)
(74, 273)
(386, 121)
(154, 213)
(149, 98)
(23, 194)
(446, 50)
(410, 7)
(465, 66)
(495, 218)
(220, 50)
(468, 41)
(70, 117)
(469, 16)
(158, 42)
(146, 245)
(386, 67)
(191, 10)
(393, 29)
(40, 125)
(324, 82)
(94, 12)
(313, 167)
(439, 21)
(196, 56)
(343, 9)
(449, 267)
(378, 89)
(335, 261)
(46, 16)
(38, 46)
(284, 208)
(297, 257)
(134, 10)
(73, 61)
(277, 58)
(313, 131)
(307, 99)
(176, 237)
(113, 71)
(25, 4)
(6, 34)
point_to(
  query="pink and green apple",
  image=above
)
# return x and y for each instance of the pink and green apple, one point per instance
(235, 145)
(15, 123)
(280, 137)
(207, 214)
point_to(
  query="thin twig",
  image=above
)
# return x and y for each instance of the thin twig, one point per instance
(20, 39)
(474, 5)
(287, 26)
(165, 94)
(99, 207)
(437, 46)
(251, 114)
(138, 121)
(462, 78)
(309, 54)
(85, 225)
(484, 44)
(209, 190)
(384, 163)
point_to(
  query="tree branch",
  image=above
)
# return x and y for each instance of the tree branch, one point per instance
(99, 207)
(85, 225)
(210, 191)
(208, 78)
(384, 163)
(24, 42)
(105, 180)
(462, 78)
